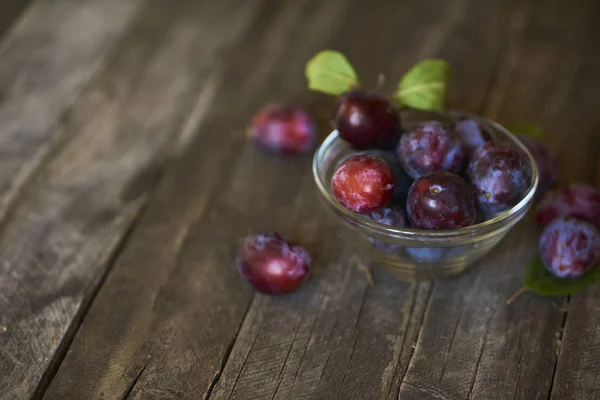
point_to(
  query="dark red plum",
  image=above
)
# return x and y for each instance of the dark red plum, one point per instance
(272, 264)
(391, 216)
(429, 147)
(367, 120)
(575, 200)
(500, 173)
(570, 247)
(546, 163)
(471, 134)
(283, 129)
(441, 200)
(363, 183)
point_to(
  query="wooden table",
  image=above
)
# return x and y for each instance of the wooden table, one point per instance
(125, 183)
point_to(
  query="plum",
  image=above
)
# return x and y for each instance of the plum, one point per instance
(576, 200)
(500, 173)
(367, 120)
(471, 134)
(283, 129)
(402, 181)
(271, 263)
(429, 147)
(441, 200)
(569, 247)
(363, 183)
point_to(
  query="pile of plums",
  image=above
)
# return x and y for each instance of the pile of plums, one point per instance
(460, 176)
(442, 175)
(432, 176)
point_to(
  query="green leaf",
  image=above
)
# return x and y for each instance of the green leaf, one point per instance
(535, 131)
(425, 85)
(539, 280)
(330, 72)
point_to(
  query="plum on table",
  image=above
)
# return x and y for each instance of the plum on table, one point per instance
(271, 263)
(576, 200)
(569, 247)
(283, 129)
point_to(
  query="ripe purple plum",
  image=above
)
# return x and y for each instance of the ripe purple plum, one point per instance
(363, 183)
(367, 120)
(471, 134)
(271, 263)
(570, 247)
(429, 147)
(547, 164)
(500, 173)
(283, 129)
(441, 200)
(576, 200)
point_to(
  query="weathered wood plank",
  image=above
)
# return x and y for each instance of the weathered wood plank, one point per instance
(578, 367)
(472, 345)
(337, 337)
(59, 237)
(164, 323)
(179, 299)
(46, 61)
(9, 12)
(577, 374)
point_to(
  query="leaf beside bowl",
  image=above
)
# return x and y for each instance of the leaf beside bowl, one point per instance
(539, 280)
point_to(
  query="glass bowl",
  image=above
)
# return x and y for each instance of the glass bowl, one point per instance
(416, 254)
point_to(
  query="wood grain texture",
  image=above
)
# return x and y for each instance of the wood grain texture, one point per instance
(10, 12)
(472, 345)
(174, 320)
(58, 239)
(179, 298)
(338, 337)
(47, 59)
(577, 374)
(578, 368)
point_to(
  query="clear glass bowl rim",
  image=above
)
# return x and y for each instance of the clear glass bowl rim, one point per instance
(480, 230)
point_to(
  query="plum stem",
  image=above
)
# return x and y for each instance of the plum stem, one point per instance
(367, 271)
(515, 296)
